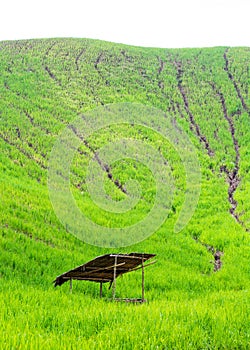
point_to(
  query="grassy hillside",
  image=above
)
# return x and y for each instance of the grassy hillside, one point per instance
(44, 86)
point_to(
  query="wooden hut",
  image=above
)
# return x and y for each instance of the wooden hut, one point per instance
(107, 268)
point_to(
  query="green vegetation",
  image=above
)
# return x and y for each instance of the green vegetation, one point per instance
(44, 86)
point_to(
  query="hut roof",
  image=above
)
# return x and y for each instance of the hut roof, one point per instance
(101, 269)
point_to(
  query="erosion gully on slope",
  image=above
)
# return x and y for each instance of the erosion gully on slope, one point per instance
(231, 77)
(46, 67)
(193, 125)
(103, 166)
(96, 64)
(52, 75)
(78, 59)
(162, 64)
(27, 234)
(216, 254)
(232, 176)
(23, 151)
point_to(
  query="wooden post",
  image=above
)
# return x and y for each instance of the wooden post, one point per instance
(142, 280)
(114, 279)
(70, 285)
(100, 289)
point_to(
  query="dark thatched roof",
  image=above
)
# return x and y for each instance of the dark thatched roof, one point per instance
(101, 269)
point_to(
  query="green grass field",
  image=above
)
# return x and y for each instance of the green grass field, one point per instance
(44, 86)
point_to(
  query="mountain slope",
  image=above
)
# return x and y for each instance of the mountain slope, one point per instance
(44, 86)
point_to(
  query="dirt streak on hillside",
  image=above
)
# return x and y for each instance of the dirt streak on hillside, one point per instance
(36, 125)
(104, 167)
(23, 151)
(46, 67)
(78, 58)
(231, 77)
(28, 234)
(232, 176)
(162, 65)
(216, 254)
(160, 70)
(98, 60)
(49, 49)
(194, 126)
(52, 75)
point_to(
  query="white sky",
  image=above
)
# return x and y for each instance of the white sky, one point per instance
(156, 23)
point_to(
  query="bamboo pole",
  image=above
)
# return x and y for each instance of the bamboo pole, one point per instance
(138, 268)
(100, 289)
(102, 268)
(114, 279)
(142, 281)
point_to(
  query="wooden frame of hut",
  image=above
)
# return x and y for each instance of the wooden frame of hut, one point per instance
(107, 268)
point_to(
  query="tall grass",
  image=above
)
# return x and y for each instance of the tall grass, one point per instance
(44, 85)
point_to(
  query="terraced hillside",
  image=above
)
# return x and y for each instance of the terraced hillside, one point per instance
(198, 292)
